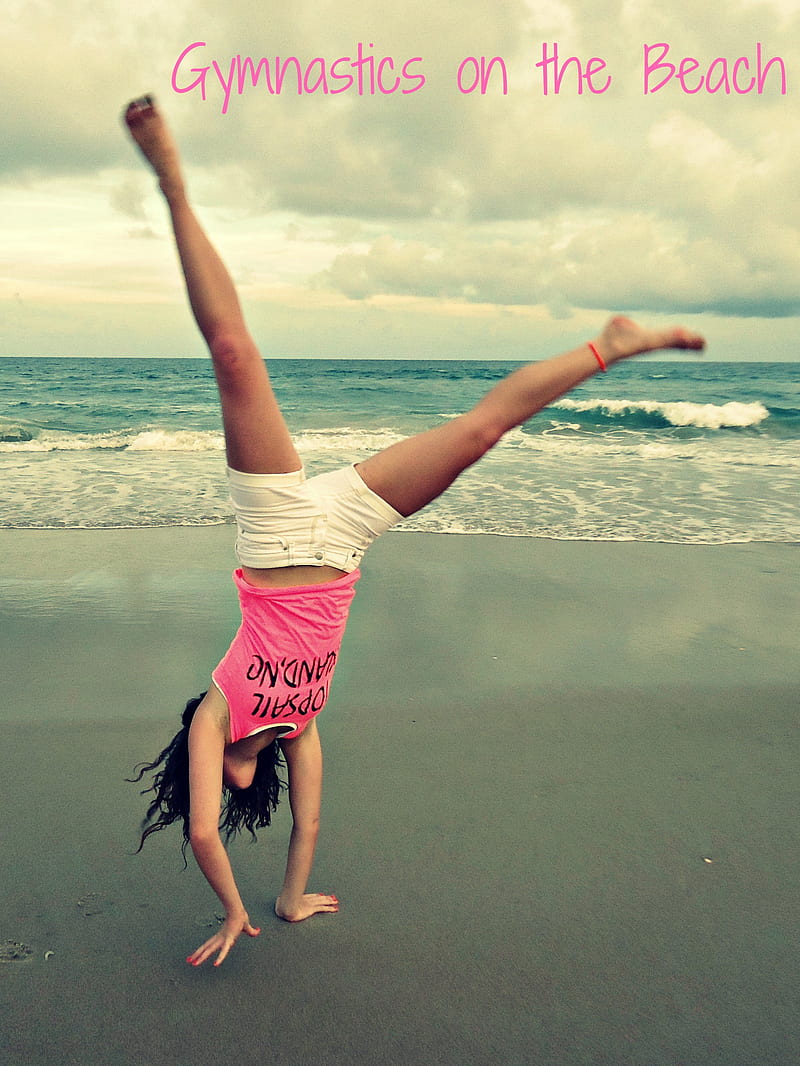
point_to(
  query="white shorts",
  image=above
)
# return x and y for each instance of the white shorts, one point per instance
(286, 520)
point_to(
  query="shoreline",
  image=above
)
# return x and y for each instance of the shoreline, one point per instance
(401, 529)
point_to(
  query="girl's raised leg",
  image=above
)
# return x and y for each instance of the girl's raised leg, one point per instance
(412, 473)
(257, 439)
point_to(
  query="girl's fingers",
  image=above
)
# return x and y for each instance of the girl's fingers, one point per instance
(197, 958)
(226, 947)
(220, 942)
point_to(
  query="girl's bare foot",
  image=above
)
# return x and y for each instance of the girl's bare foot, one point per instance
(623, 338)
(313, 903)
(149, 130)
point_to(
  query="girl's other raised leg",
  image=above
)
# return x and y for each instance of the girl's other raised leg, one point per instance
(257, 439)
(412, 473)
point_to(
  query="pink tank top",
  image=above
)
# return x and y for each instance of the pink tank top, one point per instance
(279, 667)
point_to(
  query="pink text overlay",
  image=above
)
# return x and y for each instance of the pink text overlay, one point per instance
(366, 73)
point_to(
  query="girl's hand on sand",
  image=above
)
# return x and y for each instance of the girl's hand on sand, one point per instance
(223, 940)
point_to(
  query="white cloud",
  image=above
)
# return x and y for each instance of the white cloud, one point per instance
(666, 202)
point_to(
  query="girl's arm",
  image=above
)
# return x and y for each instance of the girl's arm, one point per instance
(304, 763)
(206, 749)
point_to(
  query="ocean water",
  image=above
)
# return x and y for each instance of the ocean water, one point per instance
(683, 452)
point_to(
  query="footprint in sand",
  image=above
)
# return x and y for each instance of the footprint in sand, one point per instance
(91, 904)
(14, 951)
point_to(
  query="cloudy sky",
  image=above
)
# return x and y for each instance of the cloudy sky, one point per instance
(425, 220)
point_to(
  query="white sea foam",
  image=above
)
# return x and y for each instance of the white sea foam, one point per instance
(67, 442)
(701, 415)
(341, 439)
(183, 440)
(346, 439)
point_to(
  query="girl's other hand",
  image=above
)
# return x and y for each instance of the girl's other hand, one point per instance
(223, 940)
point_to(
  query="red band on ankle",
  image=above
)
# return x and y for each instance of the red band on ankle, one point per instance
(600, 360)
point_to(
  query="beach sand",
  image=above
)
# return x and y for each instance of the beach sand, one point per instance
(560, 810)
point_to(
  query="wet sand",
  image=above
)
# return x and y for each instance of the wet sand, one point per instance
(560, 810)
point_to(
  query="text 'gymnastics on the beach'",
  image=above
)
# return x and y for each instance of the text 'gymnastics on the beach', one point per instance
(555, 73)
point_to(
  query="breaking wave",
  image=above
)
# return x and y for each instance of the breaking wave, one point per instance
(651, 414)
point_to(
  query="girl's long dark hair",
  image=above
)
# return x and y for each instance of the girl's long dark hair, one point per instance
(247, 808)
